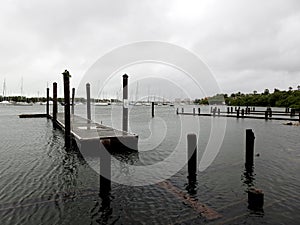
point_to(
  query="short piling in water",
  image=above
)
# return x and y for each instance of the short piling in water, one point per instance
(266, 115)
(249, 148)
(182, 110)
(152, 112)
(194, 111)
(54, 103)
(219, 111)
(228, 110)
(237, 113)
(66, 77)
(255, 199)
(47, 104)
(177, 111)
(125, 103)
(199, 111)
(73, 100)
(88, 101)
(243, 112)
(270, 112)
(231, 110)
(192, 156)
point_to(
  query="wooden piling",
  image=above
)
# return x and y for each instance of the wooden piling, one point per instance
(177, 111)
(47, 104)
(66, 77)
(228, 110)
(73, 100)
(255, 199)
(199, 111)
(182, 110)
(237, 113)
(270, 112)
(153, 109)
(266, 115)
(194, 111)
(192, 155)
(219, 111)
(249, 148)
(54, 102)
(88, 101)
(243, 112)
(125, 102)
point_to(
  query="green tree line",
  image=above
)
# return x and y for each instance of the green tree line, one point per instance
(290, 98)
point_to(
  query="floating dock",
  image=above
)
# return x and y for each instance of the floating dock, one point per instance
(243, 114)
(88, 133)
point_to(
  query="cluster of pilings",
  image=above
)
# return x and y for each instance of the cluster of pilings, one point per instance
(255, 196)
(68, 110)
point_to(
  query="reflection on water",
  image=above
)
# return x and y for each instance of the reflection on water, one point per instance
(43, 183)
(248, 177)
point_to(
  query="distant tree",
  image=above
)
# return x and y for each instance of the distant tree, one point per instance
(266, 92)
(276, 90)
(254, 92)
(290, 88)
(298, 87)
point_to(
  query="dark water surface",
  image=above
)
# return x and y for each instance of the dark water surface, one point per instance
(42, 183)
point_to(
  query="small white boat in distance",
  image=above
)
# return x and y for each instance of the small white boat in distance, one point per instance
(5, 103)
(22, 104)
(100, 104)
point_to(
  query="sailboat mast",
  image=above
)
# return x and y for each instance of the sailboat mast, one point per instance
(4, 88)
(137, 91)
(21, 86)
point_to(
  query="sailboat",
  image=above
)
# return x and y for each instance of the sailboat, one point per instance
(22, 103)
(4, 102)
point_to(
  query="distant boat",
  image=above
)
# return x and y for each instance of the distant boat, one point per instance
(100, 104)
(22, 104)
(138, 104)
(45, 103)
(147, 104)
(5, 103)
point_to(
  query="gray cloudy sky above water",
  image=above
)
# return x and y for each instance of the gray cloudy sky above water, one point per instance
(249, 45)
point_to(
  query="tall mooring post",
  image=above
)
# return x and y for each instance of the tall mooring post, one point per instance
(66, 76)
(88, 101)
(125, 102)
(73, 100)
(249, 148)
(47, 104)
(153, 109)
(192, 156)
(54, 102)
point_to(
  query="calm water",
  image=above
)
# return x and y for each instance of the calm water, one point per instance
(42, 183)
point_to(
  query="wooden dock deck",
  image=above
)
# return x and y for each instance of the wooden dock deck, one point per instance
(88, 134)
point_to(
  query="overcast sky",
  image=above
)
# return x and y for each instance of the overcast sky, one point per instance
(249, 45)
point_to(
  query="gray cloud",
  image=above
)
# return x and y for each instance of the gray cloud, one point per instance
(250, 45)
